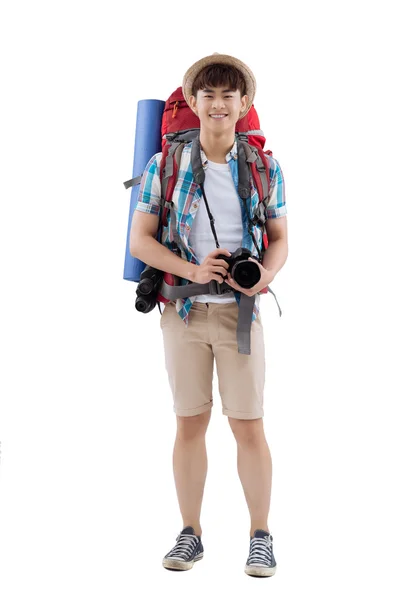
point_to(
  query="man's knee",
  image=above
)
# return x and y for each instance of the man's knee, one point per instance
(247, 431)
(189, 428)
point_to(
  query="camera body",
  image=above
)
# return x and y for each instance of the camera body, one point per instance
(245, 272)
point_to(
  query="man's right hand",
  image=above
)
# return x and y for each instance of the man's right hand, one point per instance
(212, 267)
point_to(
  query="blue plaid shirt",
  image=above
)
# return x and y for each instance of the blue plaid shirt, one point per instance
(185, 202)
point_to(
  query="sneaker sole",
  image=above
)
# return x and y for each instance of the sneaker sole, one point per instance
(180, 565)
(259, 571)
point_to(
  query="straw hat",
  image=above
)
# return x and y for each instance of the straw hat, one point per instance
(224, 59)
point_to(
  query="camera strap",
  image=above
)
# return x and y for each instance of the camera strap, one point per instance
(243, 185)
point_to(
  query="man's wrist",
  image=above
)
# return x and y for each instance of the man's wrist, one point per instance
(191, 275)
(269, 275)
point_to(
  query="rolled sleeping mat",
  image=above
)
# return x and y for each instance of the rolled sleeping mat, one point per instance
(147, 143)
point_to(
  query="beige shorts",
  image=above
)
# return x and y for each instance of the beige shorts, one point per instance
(189, 360)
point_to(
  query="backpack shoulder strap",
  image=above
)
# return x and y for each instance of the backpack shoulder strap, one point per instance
(172, 153)
(259, 167)
(195, 161)
(170, 163)
(168, 173)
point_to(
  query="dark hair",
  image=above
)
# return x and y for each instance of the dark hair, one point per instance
(217, 76)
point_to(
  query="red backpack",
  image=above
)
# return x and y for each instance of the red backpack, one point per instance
(180, 125)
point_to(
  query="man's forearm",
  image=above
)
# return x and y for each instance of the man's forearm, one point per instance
(154, 254)
(275, 256)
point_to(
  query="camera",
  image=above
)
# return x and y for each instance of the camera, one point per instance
(147, 289)
(245, 272)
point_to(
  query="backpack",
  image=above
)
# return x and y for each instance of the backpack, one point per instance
(180, 125)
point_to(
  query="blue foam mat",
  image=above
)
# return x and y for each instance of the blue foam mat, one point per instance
(147, 143)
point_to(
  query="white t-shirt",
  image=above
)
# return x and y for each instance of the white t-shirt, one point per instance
(225, 207)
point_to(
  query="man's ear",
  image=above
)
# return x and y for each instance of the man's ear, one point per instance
(244, 101)
(192, 103)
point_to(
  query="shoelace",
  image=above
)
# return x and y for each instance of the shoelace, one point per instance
(261, 551)
(185, 546)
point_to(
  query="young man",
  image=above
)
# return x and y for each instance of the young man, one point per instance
(220, 89)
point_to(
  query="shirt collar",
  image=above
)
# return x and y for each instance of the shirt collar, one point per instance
(232, 155)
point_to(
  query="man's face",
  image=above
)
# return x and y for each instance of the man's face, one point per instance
(218, 108)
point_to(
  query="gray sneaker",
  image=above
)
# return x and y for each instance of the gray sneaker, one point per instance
(261, 561)
(186, 551)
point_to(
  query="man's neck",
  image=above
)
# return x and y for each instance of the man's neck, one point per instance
(216, 147)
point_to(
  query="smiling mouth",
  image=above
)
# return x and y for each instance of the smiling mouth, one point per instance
(219, 116)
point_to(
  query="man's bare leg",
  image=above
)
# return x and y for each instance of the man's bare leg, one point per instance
(254, 468)
(190, 467)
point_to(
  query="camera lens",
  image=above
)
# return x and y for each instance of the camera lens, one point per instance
(246, 273)
(141, 304)
(145, 304)
(145, 286)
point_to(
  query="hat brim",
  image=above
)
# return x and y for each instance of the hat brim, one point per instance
(224, 59)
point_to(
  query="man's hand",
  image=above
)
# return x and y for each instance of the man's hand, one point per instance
(266, 278)
(212, 267)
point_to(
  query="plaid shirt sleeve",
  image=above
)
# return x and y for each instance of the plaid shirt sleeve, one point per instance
(276, 205)
(150, 187)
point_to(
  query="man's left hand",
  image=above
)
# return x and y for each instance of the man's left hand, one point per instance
(266, 278)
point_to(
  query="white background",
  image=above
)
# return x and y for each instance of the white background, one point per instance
(88, 502)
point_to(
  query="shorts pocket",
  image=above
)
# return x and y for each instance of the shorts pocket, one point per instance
(169, 306)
